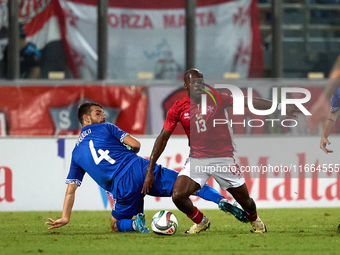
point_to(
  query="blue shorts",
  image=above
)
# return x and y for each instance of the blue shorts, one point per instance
(129, 200)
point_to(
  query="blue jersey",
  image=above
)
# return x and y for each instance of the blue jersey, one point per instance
(100, 152)
(335, 102)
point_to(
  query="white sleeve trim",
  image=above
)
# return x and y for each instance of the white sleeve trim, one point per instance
(73, 181)
(334, 109)
(123, 136)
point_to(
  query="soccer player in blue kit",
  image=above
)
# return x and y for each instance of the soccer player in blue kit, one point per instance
(320, 108)
(330, 121)
(108, 155)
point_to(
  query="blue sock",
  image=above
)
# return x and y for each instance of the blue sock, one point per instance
(125, 225)
(210, 194)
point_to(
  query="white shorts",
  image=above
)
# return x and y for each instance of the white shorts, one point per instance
(224, 170)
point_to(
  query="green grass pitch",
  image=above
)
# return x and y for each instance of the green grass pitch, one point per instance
(290, 231)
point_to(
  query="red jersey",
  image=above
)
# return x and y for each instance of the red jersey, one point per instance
(206, 140)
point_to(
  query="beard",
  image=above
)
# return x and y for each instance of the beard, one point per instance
(96, 122)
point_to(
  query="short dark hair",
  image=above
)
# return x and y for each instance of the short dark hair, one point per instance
(85, 108)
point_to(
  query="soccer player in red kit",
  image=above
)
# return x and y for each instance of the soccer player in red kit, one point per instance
(209, 146)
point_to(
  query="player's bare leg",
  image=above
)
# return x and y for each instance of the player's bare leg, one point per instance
(241, 195)
(182, 189)
(114, 224)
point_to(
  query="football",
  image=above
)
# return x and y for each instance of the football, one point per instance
(164, 223)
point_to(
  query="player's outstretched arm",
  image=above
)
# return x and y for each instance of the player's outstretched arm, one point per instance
(329, 124)
(319, 111)
(157, 150)
(67, 209)
(292, 109)
(321, 106)
(264, 104)
(133, 143)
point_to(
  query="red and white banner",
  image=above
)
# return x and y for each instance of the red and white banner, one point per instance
(148, 36)
(21, 184)
(52, 110)
(42, 20)
(42, 25)
(144, 37)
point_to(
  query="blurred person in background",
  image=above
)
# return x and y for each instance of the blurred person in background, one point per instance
(167, 67)
(30, 58)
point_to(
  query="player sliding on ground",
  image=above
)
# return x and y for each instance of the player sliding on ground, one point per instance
(209, 146)
(102, 152)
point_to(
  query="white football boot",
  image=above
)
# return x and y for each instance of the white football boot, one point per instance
(196, 228)
(258, 225)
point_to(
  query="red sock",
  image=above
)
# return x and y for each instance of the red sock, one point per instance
(252, 217)
(197, 216)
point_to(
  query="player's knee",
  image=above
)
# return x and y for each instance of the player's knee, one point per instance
(178, 197)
